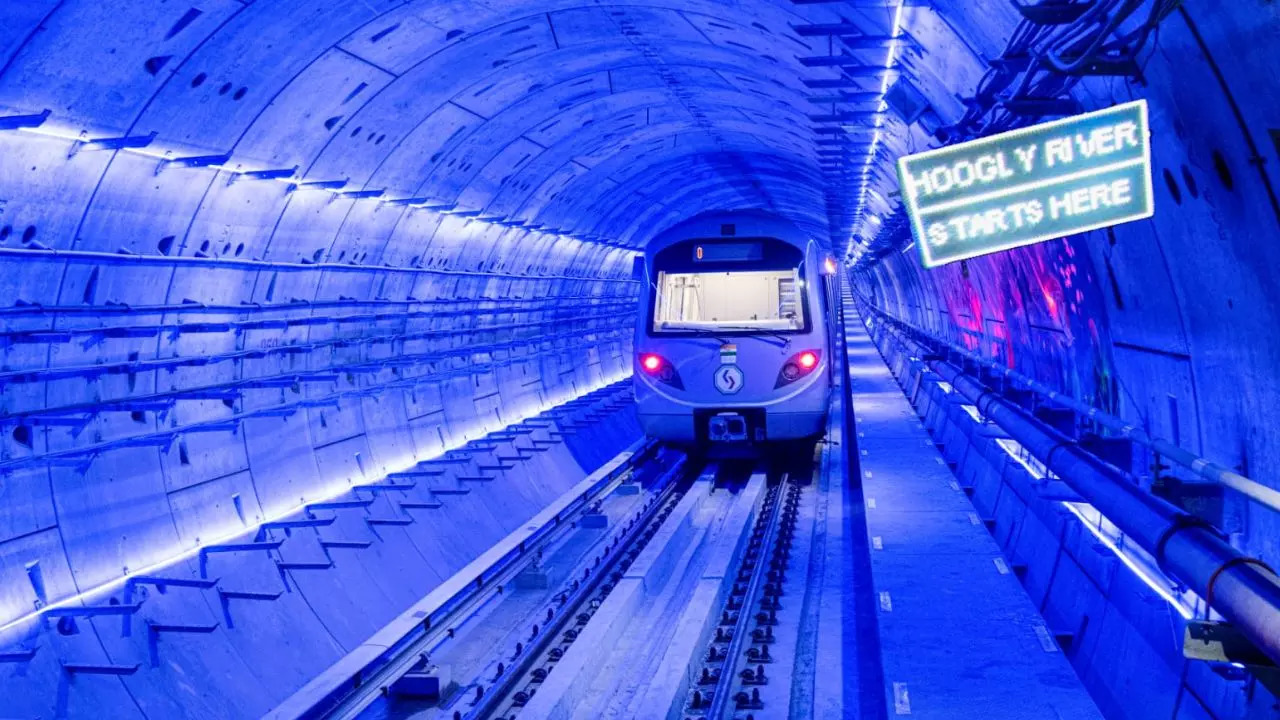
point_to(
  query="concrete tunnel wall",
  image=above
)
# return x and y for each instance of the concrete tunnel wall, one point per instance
(551, 139)
(1168, 323)
(340, 238)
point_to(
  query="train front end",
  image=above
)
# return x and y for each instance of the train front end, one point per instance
(733, 351)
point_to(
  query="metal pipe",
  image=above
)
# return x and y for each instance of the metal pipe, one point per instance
(1252, 489)
(1242, 589)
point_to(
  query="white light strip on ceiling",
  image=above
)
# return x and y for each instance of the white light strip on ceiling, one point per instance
(164, 156)
(891, 55)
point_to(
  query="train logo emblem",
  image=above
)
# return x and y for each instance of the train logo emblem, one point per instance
(729, 379)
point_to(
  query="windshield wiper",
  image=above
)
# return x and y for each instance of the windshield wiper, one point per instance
(786, 339)
(698, 332)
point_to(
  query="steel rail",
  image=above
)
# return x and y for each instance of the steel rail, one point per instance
(720, 707)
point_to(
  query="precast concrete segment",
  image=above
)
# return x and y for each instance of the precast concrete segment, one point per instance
(640, 651)
(959, 638)
(557, 697)
(579, 597)
(685, 605)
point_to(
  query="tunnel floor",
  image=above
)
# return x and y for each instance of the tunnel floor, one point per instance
(390, 359)
(862, 584)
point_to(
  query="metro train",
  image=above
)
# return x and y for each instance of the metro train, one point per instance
(733, 340)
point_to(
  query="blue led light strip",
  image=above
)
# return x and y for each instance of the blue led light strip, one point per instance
(334, 489)
(222, 164)
(891, 56)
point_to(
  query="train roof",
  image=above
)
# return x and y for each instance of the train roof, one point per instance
(730, 224)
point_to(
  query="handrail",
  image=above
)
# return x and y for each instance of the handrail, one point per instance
(1252, 489)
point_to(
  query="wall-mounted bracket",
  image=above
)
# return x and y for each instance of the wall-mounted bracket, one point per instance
(194, 161)
(226, 596)
(360, 504)
(273, 174)
(1221, 642)
(98, 669)
(420, 505)
(208, 550)
(20, 655)
(17, 122)
(384, 487)
(358, 194)
(318, 185)
(288, 526)
(154, 631)
(117, 143)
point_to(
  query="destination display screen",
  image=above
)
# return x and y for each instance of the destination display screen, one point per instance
(729, 252)
(1029, 185)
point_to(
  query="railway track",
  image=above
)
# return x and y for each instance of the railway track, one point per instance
(735, 664)
(576, 604)
(676, 611)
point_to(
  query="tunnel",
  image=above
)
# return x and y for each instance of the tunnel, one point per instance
(323, 328)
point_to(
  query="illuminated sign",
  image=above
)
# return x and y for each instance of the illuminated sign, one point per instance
(729, 252)
(1029, 185)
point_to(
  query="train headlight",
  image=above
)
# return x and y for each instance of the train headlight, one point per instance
(797, 366)
(660, 369)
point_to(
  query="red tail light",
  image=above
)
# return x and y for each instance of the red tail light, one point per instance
(798, 366)
(660, 369)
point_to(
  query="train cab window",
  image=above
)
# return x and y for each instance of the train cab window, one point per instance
(729, 289)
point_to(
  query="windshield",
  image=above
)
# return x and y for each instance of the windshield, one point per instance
(737, 302)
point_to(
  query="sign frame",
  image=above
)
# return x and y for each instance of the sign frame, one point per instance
(1146, 210)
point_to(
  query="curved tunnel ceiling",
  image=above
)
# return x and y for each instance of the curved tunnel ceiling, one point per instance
(562, 114)
(253, 253)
